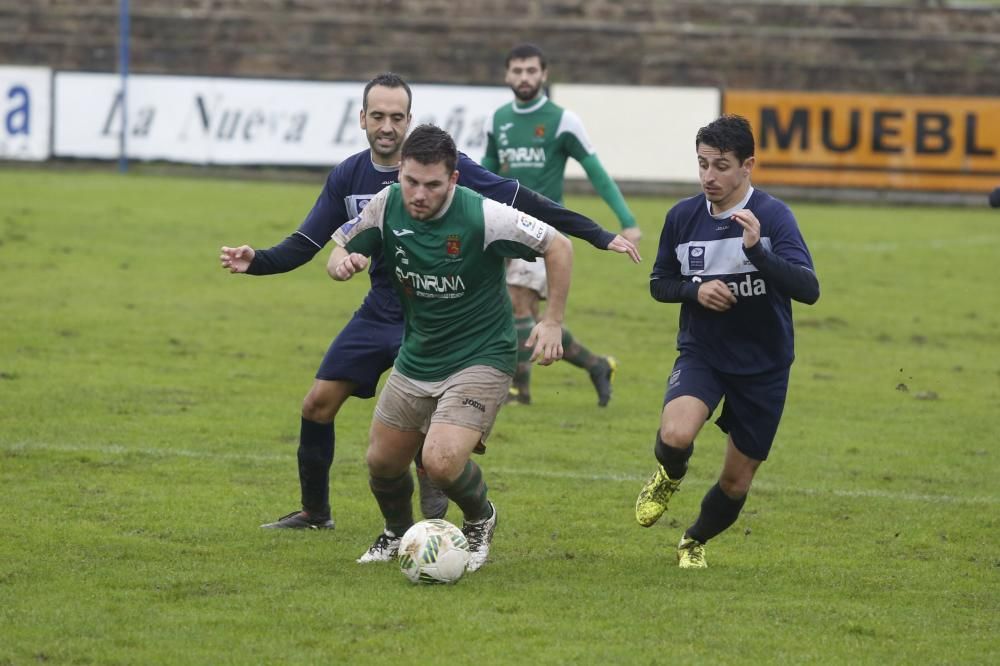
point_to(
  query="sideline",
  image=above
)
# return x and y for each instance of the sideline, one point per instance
(513, 471)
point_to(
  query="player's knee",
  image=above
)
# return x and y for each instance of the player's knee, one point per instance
(735, 485)
(379, 465)
(523, 301)
(441, 469)
(677, 435)
(319, 406)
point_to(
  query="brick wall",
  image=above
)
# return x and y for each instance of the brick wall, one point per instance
(900, 47)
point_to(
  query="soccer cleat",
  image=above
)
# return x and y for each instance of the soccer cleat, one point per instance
(479, 534)
(433, 501)
(300, 520)
(383, 550)
(516, 396)
(691, 554)
(602, 376)
(654, 497)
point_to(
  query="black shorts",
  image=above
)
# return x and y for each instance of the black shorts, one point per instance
(362, 351)
(753, 403)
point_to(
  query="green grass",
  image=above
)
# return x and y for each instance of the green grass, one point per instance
(149, 409)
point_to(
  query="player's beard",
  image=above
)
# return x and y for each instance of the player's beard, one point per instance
(380, 150)
(526, 93)
(431, 207)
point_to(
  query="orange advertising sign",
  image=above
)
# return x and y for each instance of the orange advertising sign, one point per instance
(872, 141)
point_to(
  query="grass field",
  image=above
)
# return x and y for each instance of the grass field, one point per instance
(149, 409)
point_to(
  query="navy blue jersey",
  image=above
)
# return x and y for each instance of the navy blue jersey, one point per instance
(755, 334)
(352, 184)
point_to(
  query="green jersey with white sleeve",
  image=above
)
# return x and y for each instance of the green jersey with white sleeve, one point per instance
(532, 142)
(449, 274)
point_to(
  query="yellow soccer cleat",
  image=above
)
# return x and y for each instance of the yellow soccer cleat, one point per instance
(654, 496)
(691, 554)
(516, 396)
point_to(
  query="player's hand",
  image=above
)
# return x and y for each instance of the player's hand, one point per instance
(751, 226)
(632, 234)
(715, 295)
(546, 338)
(237, 259)
(624, 246)
(350, 265)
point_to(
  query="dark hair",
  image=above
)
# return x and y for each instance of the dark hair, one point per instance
(728, 133)
(387, 80)
(429, 144)
(524, 51)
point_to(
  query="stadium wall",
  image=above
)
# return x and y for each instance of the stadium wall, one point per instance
(942, 140)
(892, 47)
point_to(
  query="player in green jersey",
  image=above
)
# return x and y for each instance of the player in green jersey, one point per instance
(445, 248)
(530, 140)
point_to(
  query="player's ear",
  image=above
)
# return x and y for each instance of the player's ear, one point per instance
(749, 163)
(361, 118)
(454, 177)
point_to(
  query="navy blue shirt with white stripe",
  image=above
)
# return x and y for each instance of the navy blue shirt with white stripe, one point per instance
(755, 335)
(352, 184)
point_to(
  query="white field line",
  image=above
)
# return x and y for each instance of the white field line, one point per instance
(540, 473)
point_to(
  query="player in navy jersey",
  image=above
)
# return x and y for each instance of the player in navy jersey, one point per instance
(734, 258)
(367, 346)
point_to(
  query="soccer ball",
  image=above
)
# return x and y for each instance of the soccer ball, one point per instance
(433, 551)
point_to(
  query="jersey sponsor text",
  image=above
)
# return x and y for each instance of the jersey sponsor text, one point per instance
(432, 286)
(523, 157)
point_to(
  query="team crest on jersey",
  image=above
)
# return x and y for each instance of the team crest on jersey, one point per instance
(539, 131)
(696, 258)
(453, 245)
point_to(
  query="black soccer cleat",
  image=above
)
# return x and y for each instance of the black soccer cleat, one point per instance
(603, 375)
(300, 520)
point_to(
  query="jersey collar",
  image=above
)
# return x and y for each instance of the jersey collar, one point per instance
(537, 104)
(726, 214)
(445, 206)
(381, 167)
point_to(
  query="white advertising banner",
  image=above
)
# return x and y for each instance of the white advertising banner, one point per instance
(25, 113)
(641, 133)
(244, 121)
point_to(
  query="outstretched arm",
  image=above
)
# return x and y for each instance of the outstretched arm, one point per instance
(608, 190)
(289, 254)
(572, 223)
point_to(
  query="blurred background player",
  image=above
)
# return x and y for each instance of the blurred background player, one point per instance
(735, 260)
(446, 249)
(995, 198)
(368, 344)
(530, 140)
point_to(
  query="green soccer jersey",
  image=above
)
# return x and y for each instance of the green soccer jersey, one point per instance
(449, 274)
(531, 143)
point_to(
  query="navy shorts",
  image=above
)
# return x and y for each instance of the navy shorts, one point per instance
(360, 353)
(752, 407)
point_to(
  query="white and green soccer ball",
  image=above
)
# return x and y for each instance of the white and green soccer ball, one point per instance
(433, 551)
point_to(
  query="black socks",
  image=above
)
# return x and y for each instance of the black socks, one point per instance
(674, 461)
(316, 444)
(718, 512)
